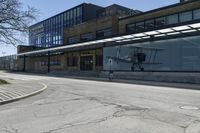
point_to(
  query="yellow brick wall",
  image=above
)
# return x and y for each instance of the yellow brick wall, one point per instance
(91, 27)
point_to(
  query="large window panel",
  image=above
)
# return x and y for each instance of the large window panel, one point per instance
(130, 28)
(150, 24)
(75, 16)
(160, 22)
(108, 32)
(139, 26)
(104, 33)
(185, 16)
(73, 39)
(86, 37)
(172, 19)
(196, 14)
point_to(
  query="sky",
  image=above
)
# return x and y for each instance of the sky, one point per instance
(48, 8)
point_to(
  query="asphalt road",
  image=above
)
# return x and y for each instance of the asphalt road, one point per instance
(83, 106)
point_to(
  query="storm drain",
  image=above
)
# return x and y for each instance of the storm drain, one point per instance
(188, 107)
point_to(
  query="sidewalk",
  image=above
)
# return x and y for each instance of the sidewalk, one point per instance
(18, 90)
(184, 80)
(139, 82)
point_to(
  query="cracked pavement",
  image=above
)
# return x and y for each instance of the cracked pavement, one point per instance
(83, 106)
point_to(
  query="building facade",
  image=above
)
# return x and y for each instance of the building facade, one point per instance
(168, 29)
(103, 25)
(49, 33)
(168, 38)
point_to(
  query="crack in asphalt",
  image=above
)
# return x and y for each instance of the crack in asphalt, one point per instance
(11, 130)
(121, 111)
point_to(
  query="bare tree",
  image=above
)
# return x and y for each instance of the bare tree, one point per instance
(13, 21)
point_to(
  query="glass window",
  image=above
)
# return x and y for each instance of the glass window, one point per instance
(172, 19)
(86, 37)
(196, 14)
(75, 15)
(72, 61)
(78, 11)
(65, 16)
(108, 32)
(71, 18)
(55, 62)
(68, 17)
(104, 33)
(73, 39)
(139, 26)
(160, 21)
(61, 19)
(149, 24)
(130, 28)
(185, 16)
(99, 60)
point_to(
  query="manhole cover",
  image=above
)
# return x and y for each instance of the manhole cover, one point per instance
(187, 107)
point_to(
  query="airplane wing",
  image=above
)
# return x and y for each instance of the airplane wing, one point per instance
(146, 48)
(119, 59)
(151, 63)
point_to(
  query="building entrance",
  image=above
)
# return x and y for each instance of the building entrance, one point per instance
(86, 63)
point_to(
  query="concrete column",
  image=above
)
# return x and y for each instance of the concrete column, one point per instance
(24, 63)
(48, 62)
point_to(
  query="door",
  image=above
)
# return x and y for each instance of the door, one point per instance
(86, 63)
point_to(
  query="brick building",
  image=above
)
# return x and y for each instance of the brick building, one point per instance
(115, 32)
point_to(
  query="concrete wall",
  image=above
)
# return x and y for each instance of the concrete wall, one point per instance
(182, 54)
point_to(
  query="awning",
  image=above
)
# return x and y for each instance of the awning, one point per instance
(175, 30)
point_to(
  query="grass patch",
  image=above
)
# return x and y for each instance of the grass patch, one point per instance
(3, 82)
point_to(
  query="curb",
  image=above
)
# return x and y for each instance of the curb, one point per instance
(25, 96)
(188, 86)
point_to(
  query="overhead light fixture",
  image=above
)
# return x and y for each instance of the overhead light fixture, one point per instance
(139, 35)
(173, 33)
(126, 40)
(160, 35)
(128, 36)
(195, 25)
(180, 28)
(118, 41)
(118, 38)
(146, 37)
(151, 33)
(188, 31)
(109, 39)
(165, 30)
(85, 43)
(135, 39)
(100, 41)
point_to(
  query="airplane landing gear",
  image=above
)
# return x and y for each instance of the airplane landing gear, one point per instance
(138, 66)
(132, 68)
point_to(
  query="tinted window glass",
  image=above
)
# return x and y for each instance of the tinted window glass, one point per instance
(172, 19)
(186, 16)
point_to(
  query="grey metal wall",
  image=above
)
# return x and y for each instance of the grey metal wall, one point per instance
(182, 54)
(8, 62)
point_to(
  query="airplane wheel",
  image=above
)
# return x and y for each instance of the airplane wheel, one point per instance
(142, 69)
(132, 68)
